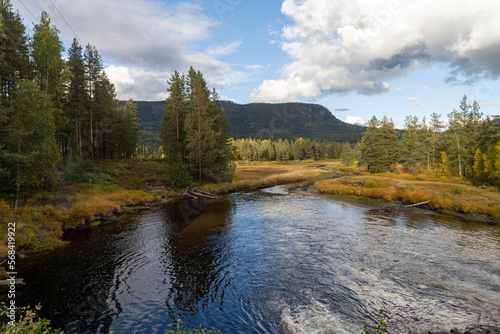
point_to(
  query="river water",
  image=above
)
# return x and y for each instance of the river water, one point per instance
(270, 261)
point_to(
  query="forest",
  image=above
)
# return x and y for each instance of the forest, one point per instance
(56, 111)
(468, 147)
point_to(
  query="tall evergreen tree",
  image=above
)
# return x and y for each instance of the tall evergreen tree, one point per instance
(93, 68)
(129, 128)
(50, 70)
(33, 150)
(14, 51)
(172, 122)
(463, 136)
(388, 140)
(435, 127)
(411, 153)
(105, 105)
(371, 150)
(76, 96)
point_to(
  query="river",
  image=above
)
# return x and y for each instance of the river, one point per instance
(270, 261)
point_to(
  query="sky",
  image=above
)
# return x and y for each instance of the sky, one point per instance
(358, 58)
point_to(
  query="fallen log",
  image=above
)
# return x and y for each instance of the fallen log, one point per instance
(422, 203)
(195, 193)
(206, 193)
(17, 281)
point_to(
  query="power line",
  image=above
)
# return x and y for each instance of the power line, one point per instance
(67, 23)
(36, 20)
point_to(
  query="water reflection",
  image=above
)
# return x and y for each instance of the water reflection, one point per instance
(271, 262)
(198, 257)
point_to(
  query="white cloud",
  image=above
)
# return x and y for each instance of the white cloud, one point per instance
(427, 88)
(254, 67)
(339, 46)
(490, 104)
(147, 40)
(226, 49)
(414, 100)
(355, 120)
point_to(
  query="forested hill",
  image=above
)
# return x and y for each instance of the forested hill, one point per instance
(270, 121)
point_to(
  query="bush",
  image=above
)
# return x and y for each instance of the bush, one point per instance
(200, 330)
(27, 322)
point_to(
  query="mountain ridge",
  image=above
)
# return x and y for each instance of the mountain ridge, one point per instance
(269, 121)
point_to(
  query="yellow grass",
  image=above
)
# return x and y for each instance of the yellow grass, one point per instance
(459, 197)
(255, 175)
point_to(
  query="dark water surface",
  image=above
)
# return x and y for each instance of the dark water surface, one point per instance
(270, 262)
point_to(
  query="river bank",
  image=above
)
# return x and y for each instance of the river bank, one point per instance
(101, 191)
(449, 198)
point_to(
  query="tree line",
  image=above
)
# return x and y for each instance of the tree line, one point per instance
(285, 150)
(54, 110)
(469, 147)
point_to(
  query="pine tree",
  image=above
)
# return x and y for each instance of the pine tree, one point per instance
(130, 128)
(76, 96)
(348, 155)
(93, 68)
(33, 150)
(411, 152)
(389, 143)
(50, 70)
(105, 105)
(435, 127)
(14, 51)
(194, 129)
(172, 122)
(371, 151)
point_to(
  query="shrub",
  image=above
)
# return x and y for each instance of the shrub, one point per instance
(28, 322)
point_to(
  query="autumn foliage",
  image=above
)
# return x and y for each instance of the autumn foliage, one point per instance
(441, 196)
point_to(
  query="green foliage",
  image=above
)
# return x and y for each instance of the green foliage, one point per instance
(27, 321)
(282, 150)
(178, 171)
(33, 151)
(380, 327)
(179, 330)
(194, 130)
(412, 147)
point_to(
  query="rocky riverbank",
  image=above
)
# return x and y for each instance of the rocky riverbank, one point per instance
(480, 329)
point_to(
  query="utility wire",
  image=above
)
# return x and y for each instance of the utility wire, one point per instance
(67, 23)
(36, 20)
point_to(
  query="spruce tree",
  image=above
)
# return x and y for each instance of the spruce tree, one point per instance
(50, 70)
(194, 129)
(14, 51)
(76, 96)
(93, 68)
(411, 153)
(371, 150)
(172, 122)
(33, 150)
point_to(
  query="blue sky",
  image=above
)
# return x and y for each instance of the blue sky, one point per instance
(358, 58)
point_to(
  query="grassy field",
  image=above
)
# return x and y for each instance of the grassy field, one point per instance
(255, 175)
(445, 194)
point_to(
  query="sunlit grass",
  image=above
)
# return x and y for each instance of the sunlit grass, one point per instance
(461, 198)
(255, 175)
